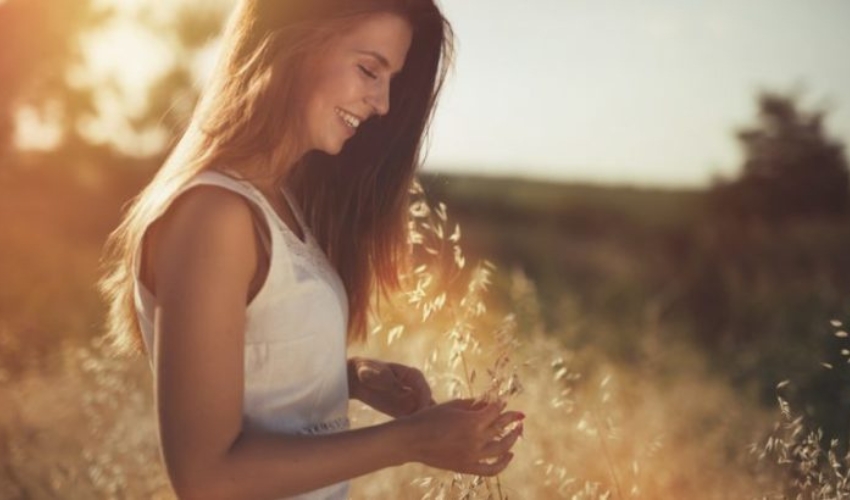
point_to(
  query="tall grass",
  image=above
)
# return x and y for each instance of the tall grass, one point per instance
(75, 423)
(594, 430)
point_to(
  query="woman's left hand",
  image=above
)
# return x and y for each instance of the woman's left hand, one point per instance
(394, 389)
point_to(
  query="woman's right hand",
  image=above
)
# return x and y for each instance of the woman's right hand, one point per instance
(464, 435)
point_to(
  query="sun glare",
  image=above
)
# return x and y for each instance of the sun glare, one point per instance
(128, 55)
(131, 59)
(123, 5)
(37, 130)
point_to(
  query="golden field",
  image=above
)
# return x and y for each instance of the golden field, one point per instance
(586, 323)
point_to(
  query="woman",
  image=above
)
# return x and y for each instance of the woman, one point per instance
(248, 262)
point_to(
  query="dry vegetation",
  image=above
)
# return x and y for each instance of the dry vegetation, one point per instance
(79, 424)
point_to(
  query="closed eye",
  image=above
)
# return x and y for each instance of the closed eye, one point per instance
(367, 72)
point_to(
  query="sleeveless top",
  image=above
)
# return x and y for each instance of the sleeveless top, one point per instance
(295, 333)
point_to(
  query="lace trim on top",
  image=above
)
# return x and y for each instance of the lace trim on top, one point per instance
(330, 426)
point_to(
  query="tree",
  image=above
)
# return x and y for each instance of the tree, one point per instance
(190, 29)
(790, 169)
(39, 44)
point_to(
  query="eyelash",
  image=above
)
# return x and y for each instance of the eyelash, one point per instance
(367, 72)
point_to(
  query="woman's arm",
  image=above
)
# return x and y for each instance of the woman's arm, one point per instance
(204, 258)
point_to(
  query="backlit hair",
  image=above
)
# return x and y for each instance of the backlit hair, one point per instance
(356, 203)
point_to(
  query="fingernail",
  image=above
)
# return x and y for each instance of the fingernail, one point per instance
(521, 416)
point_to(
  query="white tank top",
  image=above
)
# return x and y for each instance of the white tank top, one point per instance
(295, 334)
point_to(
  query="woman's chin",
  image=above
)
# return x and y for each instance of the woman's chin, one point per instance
(334, 149)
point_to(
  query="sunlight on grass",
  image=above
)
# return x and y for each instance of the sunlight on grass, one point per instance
(665, 425)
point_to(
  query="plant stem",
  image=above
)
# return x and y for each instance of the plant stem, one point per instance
(472, 395)
(604, 445)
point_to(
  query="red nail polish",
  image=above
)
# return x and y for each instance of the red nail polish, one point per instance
(521, 416)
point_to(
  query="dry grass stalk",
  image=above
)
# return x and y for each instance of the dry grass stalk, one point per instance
(437, 289)
(807, 468)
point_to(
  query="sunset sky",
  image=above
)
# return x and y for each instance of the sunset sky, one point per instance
(610, 91)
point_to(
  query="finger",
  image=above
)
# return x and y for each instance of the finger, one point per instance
(423, 391)
(402, 390)
(410, 405)
(399, 390)
(414, 379)
(490, 469)
(376, 377)
(490, 412)
(498, 447)
(505, 419)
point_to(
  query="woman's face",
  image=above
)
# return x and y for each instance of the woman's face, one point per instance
(350, 81)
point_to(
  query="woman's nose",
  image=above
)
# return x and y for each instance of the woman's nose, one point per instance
(379, 99)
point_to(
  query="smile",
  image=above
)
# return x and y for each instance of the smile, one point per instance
(351, 120)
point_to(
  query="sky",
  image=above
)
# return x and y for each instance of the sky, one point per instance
(603, 91)
(628, 92)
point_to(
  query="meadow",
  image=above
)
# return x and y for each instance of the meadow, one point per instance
(659, 353)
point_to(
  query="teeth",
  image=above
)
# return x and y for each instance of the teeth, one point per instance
(350, 119)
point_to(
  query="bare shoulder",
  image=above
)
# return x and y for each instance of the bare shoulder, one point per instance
(207, 228)
(209, 207)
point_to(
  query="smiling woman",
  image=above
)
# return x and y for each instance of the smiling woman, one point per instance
(248, 264)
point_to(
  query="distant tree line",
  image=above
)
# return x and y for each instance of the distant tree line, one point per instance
(791, 168)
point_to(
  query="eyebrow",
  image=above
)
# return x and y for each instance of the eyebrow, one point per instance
(381, 59)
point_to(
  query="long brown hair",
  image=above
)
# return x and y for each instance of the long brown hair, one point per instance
(359, 213)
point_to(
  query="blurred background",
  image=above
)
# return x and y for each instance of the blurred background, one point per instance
(655, 178)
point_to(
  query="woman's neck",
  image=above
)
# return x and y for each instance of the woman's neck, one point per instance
(259, 172)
